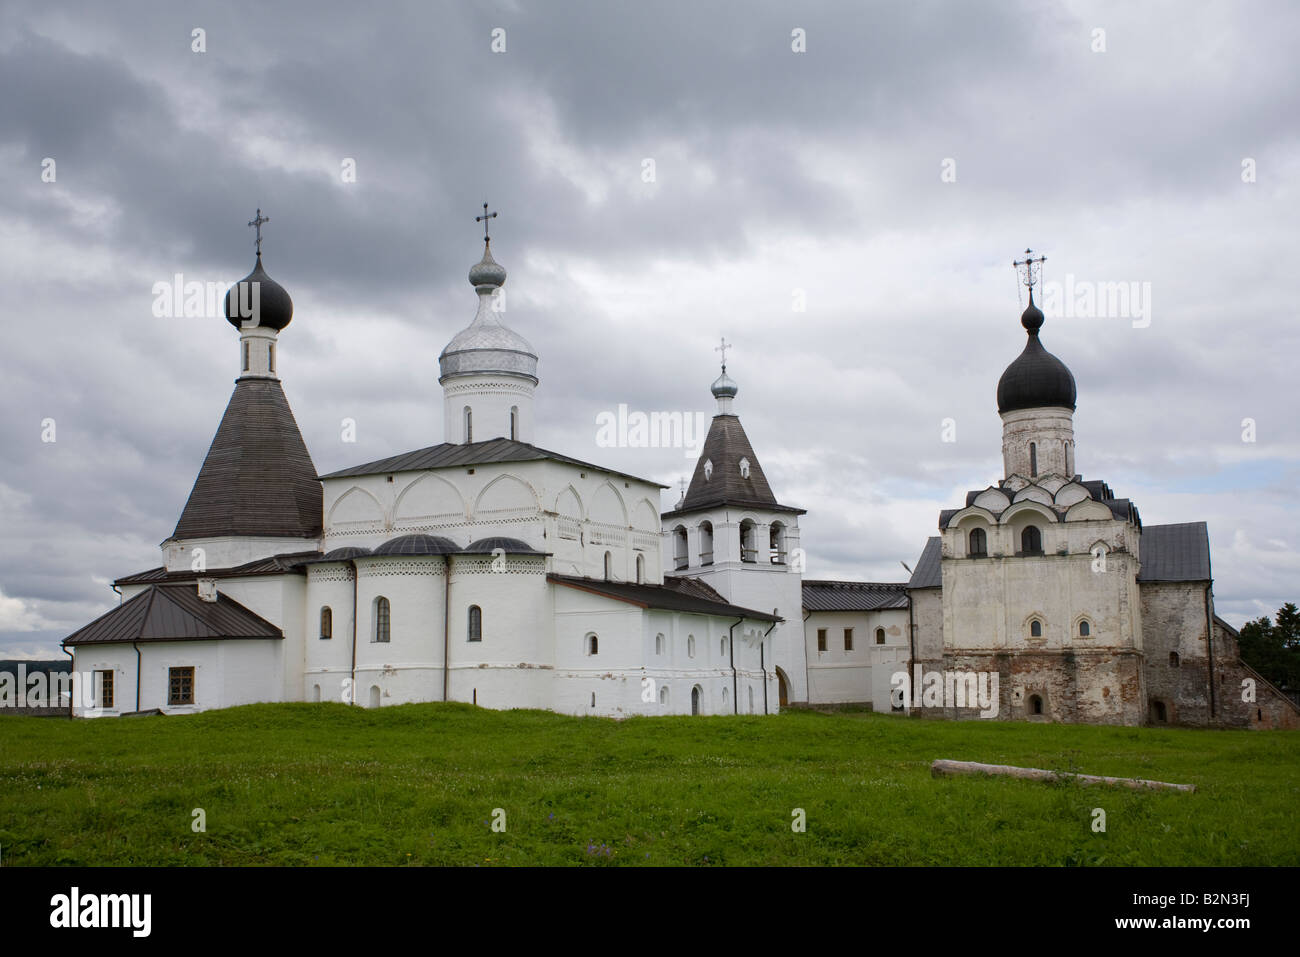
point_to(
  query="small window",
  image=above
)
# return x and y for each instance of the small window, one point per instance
(180, 686)
(105, 688)
(1031, 541)
(326, 623)
(821, 639)
(469, 425)
(609, 567)
(270, 357)
(1085, 629)
(706, 543)
(663, 694)
(708, 469)
(880, 636)
(1035, 704)
(1035, 629)
(659, 644)
(1173, 659)
(722, 648)
(1033, 459)
(748, 546)
(640, 569)
(848, 639)
(690, 646)
(245, 355)
(744, 468)
(680, 557)
(593, 645)
(382, 620)
(475, 623)
(514, 423)
(979, 543)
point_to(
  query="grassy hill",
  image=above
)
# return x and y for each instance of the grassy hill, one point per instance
(418, 784)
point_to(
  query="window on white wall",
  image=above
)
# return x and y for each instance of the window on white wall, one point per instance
(640, 569)
(659, 644)
(592, 644)
(475, 623)
(469, 425)
(383, 620)
(514, 422)
(690, 646)
(326, 623)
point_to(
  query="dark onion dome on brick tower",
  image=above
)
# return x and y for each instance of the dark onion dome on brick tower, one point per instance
(417, 544)
(1037, 379)
(275, 308)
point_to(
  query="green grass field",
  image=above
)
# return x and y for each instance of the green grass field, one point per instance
(418, 784)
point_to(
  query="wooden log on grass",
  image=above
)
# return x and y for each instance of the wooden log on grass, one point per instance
(945, 768)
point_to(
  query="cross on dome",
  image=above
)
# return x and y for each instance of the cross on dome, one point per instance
(1032, 268)
(257, 224)
(484, 220)
(723, 349)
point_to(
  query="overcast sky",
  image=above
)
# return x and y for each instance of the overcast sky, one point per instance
(885, 178)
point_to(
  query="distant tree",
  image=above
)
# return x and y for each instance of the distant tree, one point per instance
(1273, 647)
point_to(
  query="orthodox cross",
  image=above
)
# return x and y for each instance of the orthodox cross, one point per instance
(1032, 268)
(723, 349)
(257, 223)
(484, 220)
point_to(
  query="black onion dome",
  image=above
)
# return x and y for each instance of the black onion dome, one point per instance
(1037, 379)
(511, 546)
(417, 545)
(275, 308)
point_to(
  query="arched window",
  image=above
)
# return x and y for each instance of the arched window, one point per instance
(1035, 628)
(1085, 629)
(315, 692)
(609, 567)
(1031, 541)
(708, 469)
(722, 648)
(1035, 704)
(748, 552)
(659, 644)
(744, 468)
(593, 644)
(690, 646)
(680, 556)
(880, 636)
(663, 695)
(375, 696)
(1173, 659)
(979, 543)
(776, 543)
(640, 569)
(706, 543)
(696, 695)
(1033, 459)
(469, 425)
(382, 620)
(475, 630)
(514, 422)
(326, 623)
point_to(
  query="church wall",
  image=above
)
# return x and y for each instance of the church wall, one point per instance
(512, 665)
(408, 667)
(927, 619)
(181, 556)
(836, 676)
(613, 674)
(227, 672)
(1174, 622)
(328, 663)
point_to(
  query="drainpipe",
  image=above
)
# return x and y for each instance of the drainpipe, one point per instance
(911, 647)
(807, 692)
(119, 594)
(761, 646)
(446, 631)
(136, 646)
(72, 695)
(352, 688)
(1209, 638)
(731, 650)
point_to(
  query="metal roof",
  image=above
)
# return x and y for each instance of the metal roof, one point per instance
(853, 596)
(491, 452)
(675, 594)
(257, 478)
(173, 612)
(288, 563)
(1175, 553)
(928, 573)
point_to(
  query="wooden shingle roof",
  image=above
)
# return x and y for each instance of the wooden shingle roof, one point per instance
(723, 483)
(258, 478)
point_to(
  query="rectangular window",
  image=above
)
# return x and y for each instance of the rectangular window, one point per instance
(848, 639)
(821, 639)
(180, 686)
(270, 357)
(105, 688)
(245, 356)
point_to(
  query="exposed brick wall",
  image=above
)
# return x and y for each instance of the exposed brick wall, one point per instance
(1087, 687)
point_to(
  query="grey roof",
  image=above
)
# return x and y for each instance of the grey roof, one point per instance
(173, 612)
(290, 563)
(511, 546)
(853, 596)
(1175, 553)
(344, 553)
(417, 544)
(257, 478)
(724, 446)
(928, 573)
(490, 452)
(675, 594)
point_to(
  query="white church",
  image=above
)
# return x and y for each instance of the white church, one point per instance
(489, 570)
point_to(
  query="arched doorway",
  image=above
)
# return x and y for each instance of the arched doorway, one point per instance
(374, 696)
(783, 688)
(695, 700)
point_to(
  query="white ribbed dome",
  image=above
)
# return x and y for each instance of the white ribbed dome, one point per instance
(487, 344)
